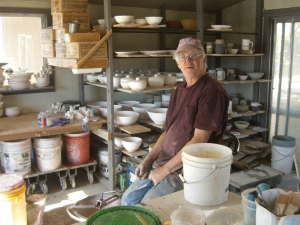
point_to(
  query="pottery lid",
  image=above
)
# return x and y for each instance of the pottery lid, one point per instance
(9, 182)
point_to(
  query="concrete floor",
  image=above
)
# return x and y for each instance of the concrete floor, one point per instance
(57, 199)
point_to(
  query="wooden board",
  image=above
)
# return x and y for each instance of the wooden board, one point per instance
(138, 152)
(26, 126)
(251, 178)
(246, 131)
(134, 129)
(151, 123)
(255, 144)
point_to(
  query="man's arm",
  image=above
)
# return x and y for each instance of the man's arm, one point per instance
(157, 175)
(142, 170)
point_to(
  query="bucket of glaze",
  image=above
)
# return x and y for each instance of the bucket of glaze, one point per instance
(77, 147)
(283, 149)
(48, 152)
(187, 215)
(17, 157)
(103, 161)
(12, 199)
(206, 172)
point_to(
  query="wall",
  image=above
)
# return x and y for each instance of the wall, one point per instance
(67, 87)
(280, 4)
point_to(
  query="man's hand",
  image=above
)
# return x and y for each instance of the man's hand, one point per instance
(142, 171)
(158, 175)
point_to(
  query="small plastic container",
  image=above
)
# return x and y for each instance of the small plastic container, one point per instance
(185, 215)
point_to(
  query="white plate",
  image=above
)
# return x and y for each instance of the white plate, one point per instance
(127, 53)
(221, 26)
(156, 52)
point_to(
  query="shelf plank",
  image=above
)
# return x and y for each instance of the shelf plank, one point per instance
(148, 89)
(246, 131)
(134, 129)
(151, 123)
(235, 55)
(138, 152)
(254, 144)
(248, 113)
(258, 129)
(26, 126)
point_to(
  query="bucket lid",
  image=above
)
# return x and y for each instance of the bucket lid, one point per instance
(10, 181)
(119, 214)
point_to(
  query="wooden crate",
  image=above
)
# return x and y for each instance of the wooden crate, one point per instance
(77, 50)
(48, 35)
(80, 6)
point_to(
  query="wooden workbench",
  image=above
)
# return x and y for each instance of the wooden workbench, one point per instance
(26, 126)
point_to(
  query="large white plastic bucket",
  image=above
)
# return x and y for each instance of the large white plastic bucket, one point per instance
(48, 152)
(103, 161)
(206, 173)
(283, 149)
(17, 156)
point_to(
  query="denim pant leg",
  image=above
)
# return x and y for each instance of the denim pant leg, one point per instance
(165, 187)
(136, 191)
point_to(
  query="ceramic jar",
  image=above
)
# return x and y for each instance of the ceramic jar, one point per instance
(125, 81)
(12, 111)
(143, 77)
(137, 84)
(156, 81)
(170, 79)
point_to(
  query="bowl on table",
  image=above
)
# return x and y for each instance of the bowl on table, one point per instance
(142, 109)
(141, 21)
(243, 77)
(232, 50)
(189, 24)
(12, 111)
(95, 105)
(131, 144)
(241, 125)
(153, 20)
(126, 118)
(242, 108)
(174, 25)
(103, 109)
(127, 105)
(119, 137)
(158, 115)
(124, 18)
(228, 126)
(255, 75)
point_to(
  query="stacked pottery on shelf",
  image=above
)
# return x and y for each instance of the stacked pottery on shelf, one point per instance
(1, 106)
(2, 77)
(19, 80)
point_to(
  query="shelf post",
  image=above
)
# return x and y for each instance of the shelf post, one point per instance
(199, 19)
(110, 98)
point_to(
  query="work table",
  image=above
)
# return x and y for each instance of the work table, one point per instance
(26, 126)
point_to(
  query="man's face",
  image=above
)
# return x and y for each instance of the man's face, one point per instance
(191, 64)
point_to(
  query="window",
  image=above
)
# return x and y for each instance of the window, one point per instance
(20, 43)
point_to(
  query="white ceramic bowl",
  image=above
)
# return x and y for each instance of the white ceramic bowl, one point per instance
(119, 137)
(12, 111)
(242, 108)
(127, 104)
(142, 109)
(241, 125)
(126, 118)
(101, 21)
(131, 144)
(232, 51)
(228, 126)
(103, 109)
(140, 21)
(242, 77)
(170, 80)
(158, 115)
(124, 18)
(95, 105)
(153, 20)
(255, 76)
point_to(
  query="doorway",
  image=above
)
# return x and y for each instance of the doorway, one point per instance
(285, 70)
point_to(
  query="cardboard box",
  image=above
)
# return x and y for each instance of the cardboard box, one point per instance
(73, 63)
(60, 35)
(77, 50)
(60, 50)
(82, 37)
(62, 20)
(80, 6)
(48, 50)
(47, 35)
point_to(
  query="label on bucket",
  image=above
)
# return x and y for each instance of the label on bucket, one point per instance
(17, 162)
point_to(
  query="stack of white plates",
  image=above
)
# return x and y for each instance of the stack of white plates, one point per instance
(19, 80)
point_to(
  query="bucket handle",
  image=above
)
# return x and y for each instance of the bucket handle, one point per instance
(284, 156)
(215, 167)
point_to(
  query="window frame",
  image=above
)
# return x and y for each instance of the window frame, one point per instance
(45, 15)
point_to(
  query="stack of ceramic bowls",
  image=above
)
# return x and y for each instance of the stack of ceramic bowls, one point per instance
(19, 80)
(2, 78)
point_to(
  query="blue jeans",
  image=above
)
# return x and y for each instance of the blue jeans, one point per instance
(144, 190)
